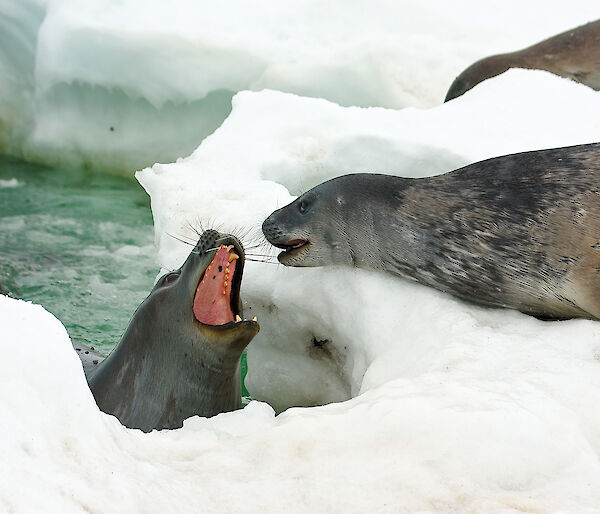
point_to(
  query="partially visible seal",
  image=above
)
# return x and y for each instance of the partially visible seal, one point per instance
(574, 54)
(520, 231)
(180, 355)
(90, 358)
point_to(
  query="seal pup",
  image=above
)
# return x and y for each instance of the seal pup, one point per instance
(574, 54)
(180, 354)
(520, 231)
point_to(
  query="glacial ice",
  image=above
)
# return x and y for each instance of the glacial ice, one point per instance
(119, 85)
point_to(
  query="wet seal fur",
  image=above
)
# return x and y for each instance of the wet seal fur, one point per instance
(574, 54)
(169, 365)
(520, 231)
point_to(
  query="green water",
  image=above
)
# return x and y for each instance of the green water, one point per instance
(80, 244)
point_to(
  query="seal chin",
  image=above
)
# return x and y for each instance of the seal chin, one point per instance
(294, 252)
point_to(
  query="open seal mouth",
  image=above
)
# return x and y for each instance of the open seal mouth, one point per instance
(217, 297)
(292, 247)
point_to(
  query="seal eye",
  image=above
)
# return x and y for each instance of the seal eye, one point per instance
(303, 206)
(170, 278)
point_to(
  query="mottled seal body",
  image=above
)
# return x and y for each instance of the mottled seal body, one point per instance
(520, 231)
(180, 354)
(90, 358)
(574, 54)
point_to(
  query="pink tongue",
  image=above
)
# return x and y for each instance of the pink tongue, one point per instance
(212, 303)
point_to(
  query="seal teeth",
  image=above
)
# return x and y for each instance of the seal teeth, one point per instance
(237, 318)
(233, 256)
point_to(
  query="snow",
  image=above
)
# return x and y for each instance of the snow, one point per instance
(275, 145)
(501, 417)
(431, 404)
(123, 84)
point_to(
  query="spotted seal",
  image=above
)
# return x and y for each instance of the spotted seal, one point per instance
(574, 54)
(180, 354)
(520, 231)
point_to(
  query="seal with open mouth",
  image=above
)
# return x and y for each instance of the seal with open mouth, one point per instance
(520, 231)
(180, 354)
(574, 54)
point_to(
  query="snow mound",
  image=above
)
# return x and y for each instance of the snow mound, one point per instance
(315, 322)
(499, 415)
(122, 85)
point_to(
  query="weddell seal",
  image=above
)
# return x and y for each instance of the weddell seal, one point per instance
(520, 231)
(574, 54)
(180, 354)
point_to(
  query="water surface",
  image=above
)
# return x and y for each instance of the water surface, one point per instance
(79, 243)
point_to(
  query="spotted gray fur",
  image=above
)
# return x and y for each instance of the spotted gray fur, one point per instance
(520, 231)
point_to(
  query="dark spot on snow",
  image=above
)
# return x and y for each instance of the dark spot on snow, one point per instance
(319, 343)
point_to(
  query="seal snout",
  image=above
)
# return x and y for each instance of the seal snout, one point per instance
(290, 244)
(290, 247)
(272, 231)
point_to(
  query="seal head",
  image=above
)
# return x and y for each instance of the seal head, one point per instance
(330, 225)
(180, 354)
(520, 231)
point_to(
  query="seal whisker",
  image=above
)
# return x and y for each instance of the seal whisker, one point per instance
(189, 225)
(169, 270)
(259, 251)
(265, 257)
(259, 260)
(256, 246)
(181, 240)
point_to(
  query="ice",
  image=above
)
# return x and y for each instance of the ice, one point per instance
(318, 323)
(476, 399)
(19, 25)
(499, 416)
(121, 85)
(10, 183)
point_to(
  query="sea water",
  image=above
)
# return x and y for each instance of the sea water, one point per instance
(80, 243)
